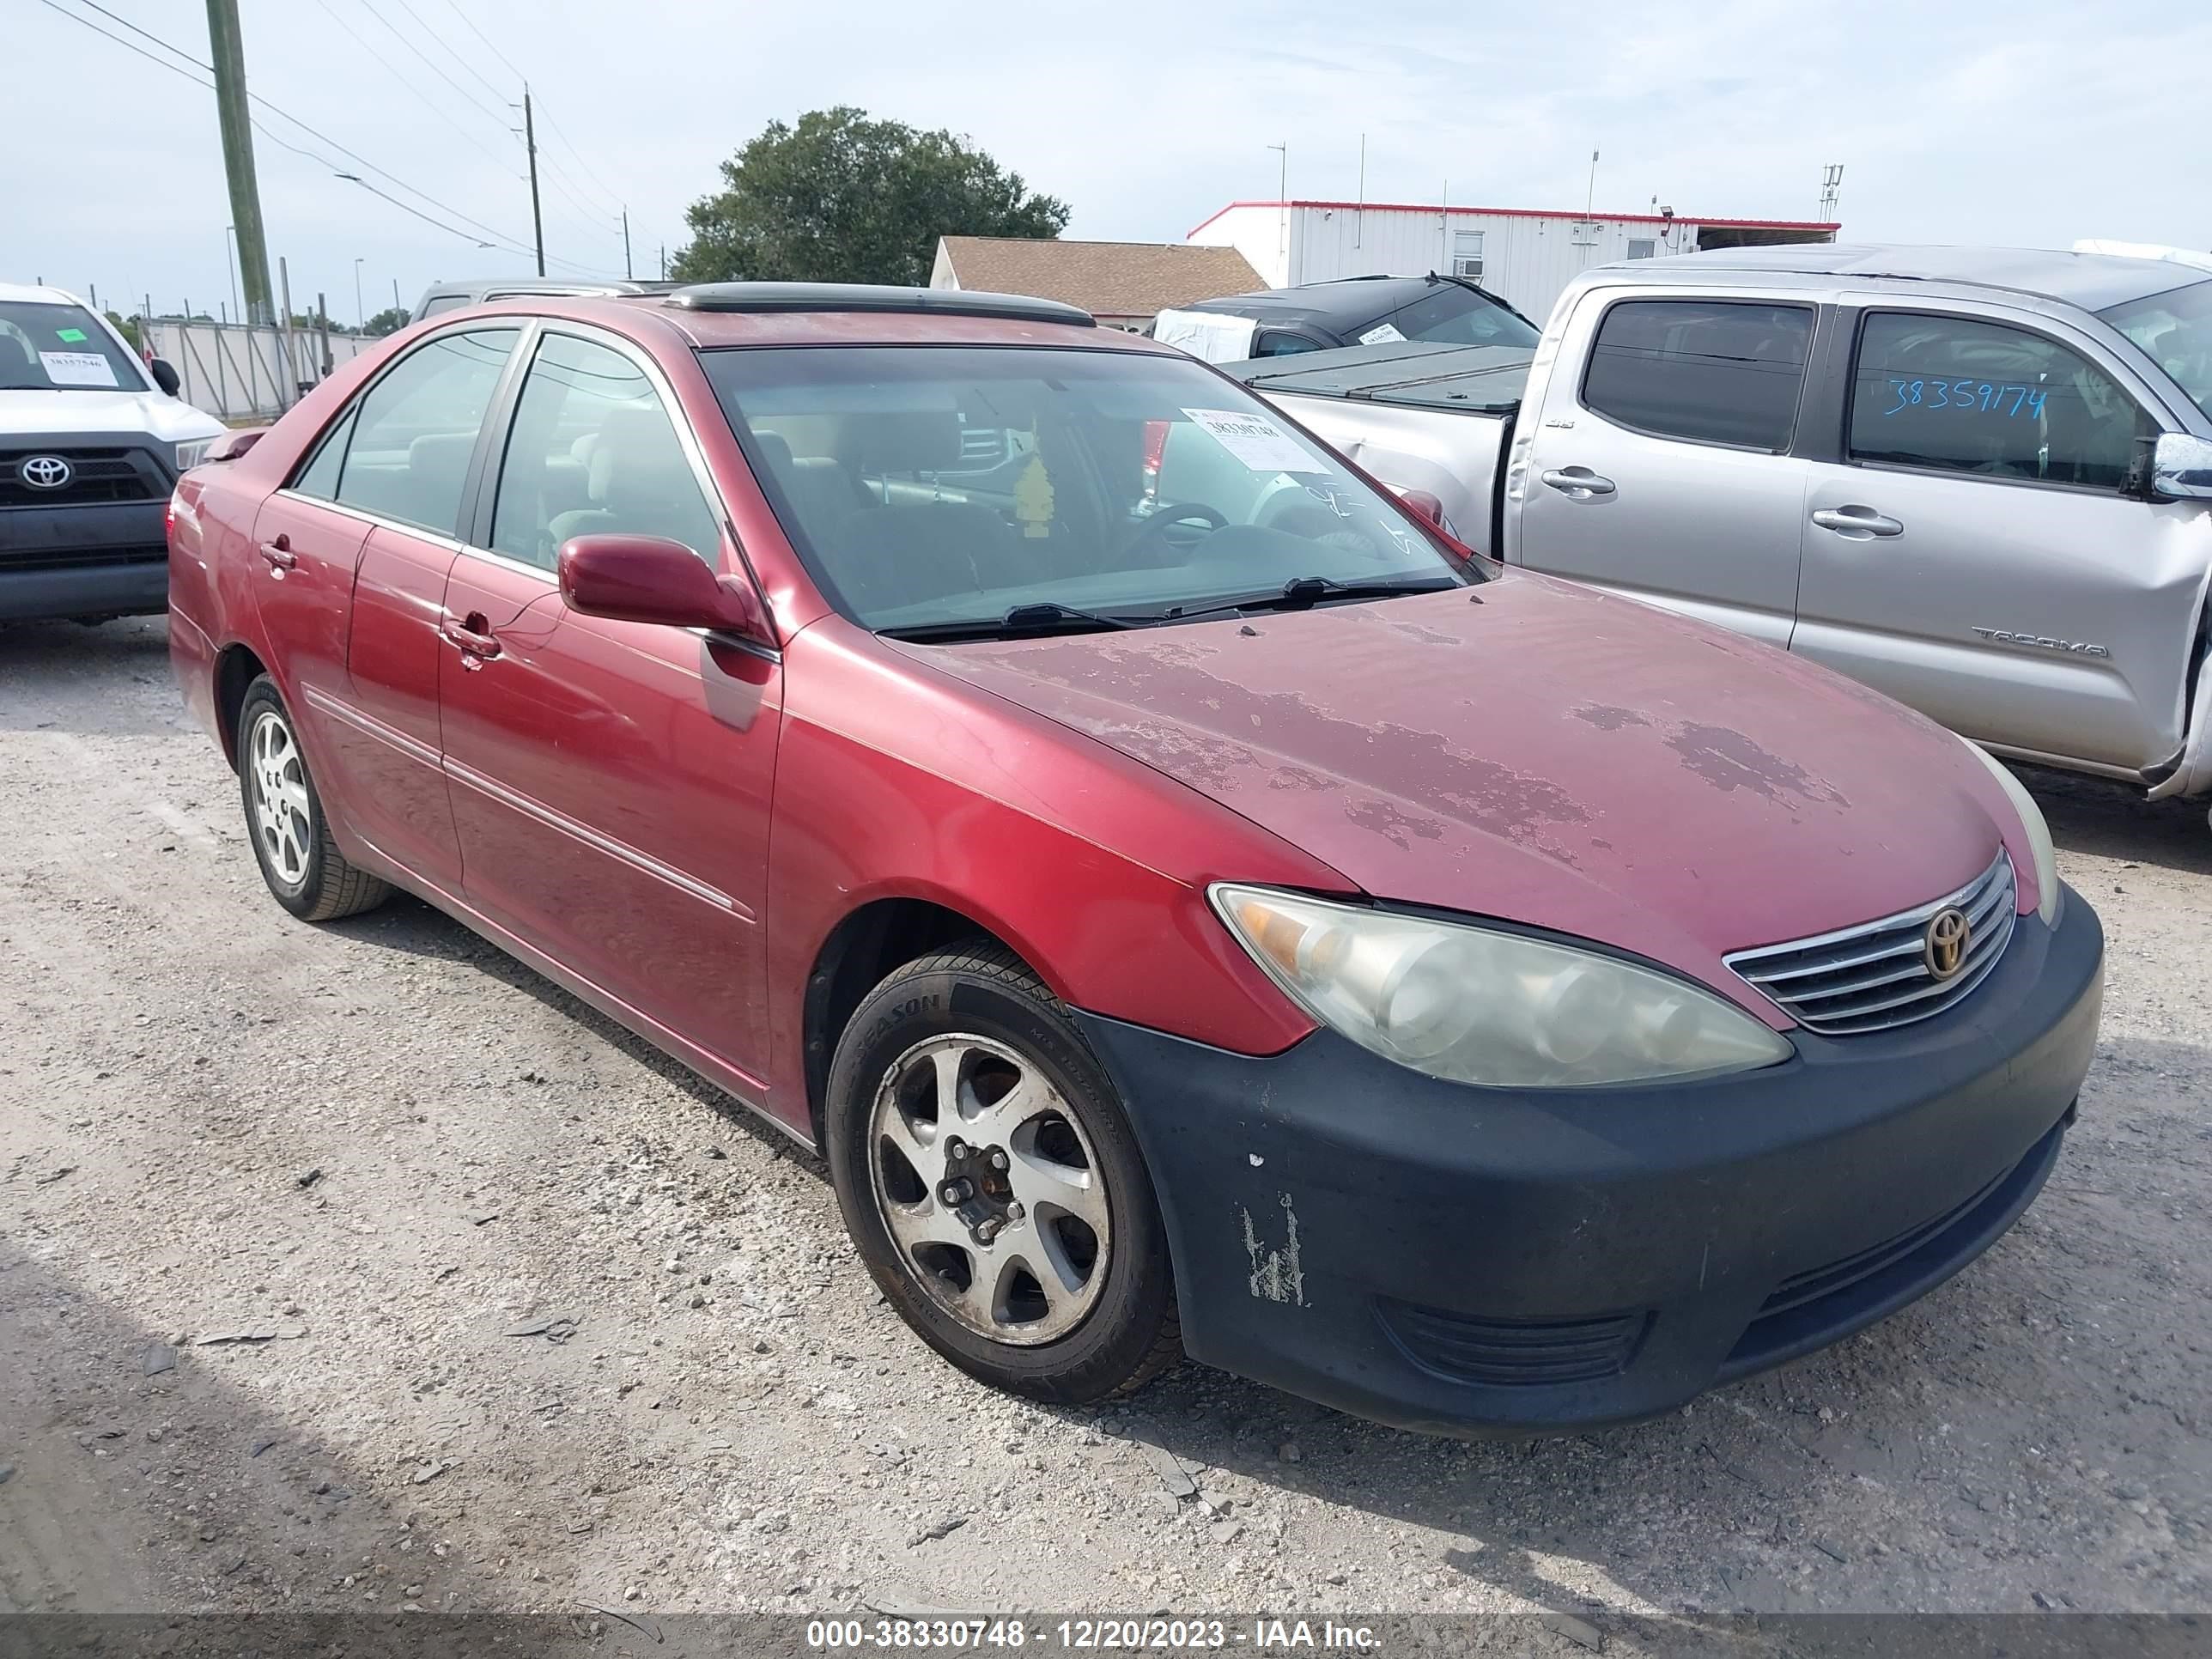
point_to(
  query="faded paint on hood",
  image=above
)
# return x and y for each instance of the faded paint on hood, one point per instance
(1539, 752)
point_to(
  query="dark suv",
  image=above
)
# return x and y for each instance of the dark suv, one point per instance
(1356, 311)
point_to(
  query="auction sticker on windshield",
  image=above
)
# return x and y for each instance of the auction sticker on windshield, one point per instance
(78, 368)
(1255, 440)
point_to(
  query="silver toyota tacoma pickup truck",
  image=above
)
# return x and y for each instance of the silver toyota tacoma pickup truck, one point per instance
(1977, 479)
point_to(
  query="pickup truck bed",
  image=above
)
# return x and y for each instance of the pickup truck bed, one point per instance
(1377, 404)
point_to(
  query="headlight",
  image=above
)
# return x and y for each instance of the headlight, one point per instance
(2047, 890)
(192, 454)
(1473, 1005)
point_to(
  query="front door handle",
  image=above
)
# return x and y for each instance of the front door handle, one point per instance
(473, 638)
(279, 555)
(1856, 524)
(1576, 484)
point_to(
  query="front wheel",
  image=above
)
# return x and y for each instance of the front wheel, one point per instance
(991, 1180)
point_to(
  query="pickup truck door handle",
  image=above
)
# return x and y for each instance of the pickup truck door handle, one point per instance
(1857, 524)
(279, 555)
(1577, 484)
(473, 638)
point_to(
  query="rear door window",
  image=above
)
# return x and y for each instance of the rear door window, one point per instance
(414, 432)
(1709, 371)
(1962, 396)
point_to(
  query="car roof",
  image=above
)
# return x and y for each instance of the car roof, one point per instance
(645, 315)
(1345, 302)
(2092, 280)
(28, 292)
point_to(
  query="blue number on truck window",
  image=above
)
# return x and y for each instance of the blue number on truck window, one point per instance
(2007, 400)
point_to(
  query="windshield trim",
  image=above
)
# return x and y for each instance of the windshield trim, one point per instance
(1455, 562)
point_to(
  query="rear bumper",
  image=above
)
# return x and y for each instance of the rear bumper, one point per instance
(1467, 1261)
(103, 559)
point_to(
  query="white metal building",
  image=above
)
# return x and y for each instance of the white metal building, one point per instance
(1526, 255)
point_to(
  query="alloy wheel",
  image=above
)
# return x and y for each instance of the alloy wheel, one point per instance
(283, 820)
(990, 1188)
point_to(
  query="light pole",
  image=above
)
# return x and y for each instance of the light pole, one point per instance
(1283, 209)
(360, 316)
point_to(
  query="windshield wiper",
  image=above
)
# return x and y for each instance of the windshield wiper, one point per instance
(1300, 593)
(1045, 617)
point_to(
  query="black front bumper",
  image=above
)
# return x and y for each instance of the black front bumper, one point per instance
(96, 559)
(1462, 1260)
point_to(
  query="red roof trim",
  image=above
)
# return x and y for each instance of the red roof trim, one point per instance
(1533, 213)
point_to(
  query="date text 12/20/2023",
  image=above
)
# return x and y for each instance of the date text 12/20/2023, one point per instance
(1089, 1635)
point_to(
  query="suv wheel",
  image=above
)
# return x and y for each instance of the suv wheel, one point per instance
(991, 1180)
(284, 818)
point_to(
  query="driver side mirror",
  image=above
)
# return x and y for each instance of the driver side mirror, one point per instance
(1426, 505)
(650, 579)
(165, 374)
(2181, 468)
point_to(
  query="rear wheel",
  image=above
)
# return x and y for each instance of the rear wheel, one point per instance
(991, 1180)
(284, 819)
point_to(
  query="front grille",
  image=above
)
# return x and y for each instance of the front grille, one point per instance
(1874, 976)
(79, 558)
(1513, 1351)
(120, 474)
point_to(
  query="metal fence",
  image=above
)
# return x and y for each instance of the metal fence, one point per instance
(236, 372)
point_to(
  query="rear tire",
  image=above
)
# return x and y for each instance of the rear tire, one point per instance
(284, 818)
(1065, 1292)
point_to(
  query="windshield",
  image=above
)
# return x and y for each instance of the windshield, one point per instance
(58, 348)
(932, 485)
(2175, 331)
(1456, 316)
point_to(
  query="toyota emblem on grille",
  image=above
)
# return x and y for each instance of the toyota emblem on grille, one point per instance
(44, 472)
(1949, 933)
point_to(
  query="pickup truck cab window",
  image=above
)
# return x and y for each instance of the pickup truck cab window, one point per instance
(594, 452)
(1710, 370)
(409, 441)
(1964, 396)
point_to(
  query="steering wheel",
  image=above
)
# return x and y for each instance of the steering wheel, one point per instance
(1155, 526)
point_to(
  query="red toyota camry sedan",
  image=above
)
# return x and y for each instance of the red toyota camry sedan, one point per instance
(1195, 905)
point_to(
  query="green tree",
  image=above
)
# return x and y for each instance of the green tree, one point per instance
(840, 198)
(127, 327)
(390, 320)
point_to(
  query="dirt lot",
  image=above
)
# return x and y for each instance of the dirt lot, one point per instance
(736, 1422)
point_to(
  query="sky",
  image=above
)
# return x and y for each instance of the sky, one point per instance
(2027, 122)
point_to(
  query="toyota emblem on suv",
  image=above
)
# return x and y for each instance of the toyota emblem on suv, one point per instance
(44, 472)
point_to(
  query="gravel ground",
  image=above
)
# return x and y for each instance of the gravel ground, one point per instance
(375, 1150)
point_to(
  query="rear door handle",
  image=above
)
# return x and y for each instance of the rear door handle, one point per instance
(1577, 482)
(1857, 524)
(473, 638)
(279, 555)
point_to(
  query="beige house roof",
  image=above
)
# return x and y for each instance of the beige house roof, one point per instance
(1107, 279)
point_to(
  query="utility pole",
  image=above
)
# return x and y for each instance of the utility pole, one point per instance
(627, 271)
(226, 52)
(360, 315)
(1283, 209)
(1589, 202)
(530, 143)
(664, 262)
(396, 306)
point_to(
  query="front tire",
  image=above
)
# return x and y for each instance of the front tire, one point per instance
(993, 1184)
(284, 818)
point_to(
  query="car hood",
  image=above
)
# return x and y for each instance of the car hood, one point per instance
(1539, 752)
(78, 412)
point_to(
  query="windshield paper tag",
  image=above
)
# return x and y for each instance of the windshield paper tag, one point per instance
(1381, 334)
(78, 368)
(1254, 440)
(70, 336)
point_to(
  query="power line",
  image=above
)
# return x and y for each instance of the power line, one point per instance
(499, 117)
(498, 239)
(496, 92)
(400, 76)
(611, 195)
(454, 5)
